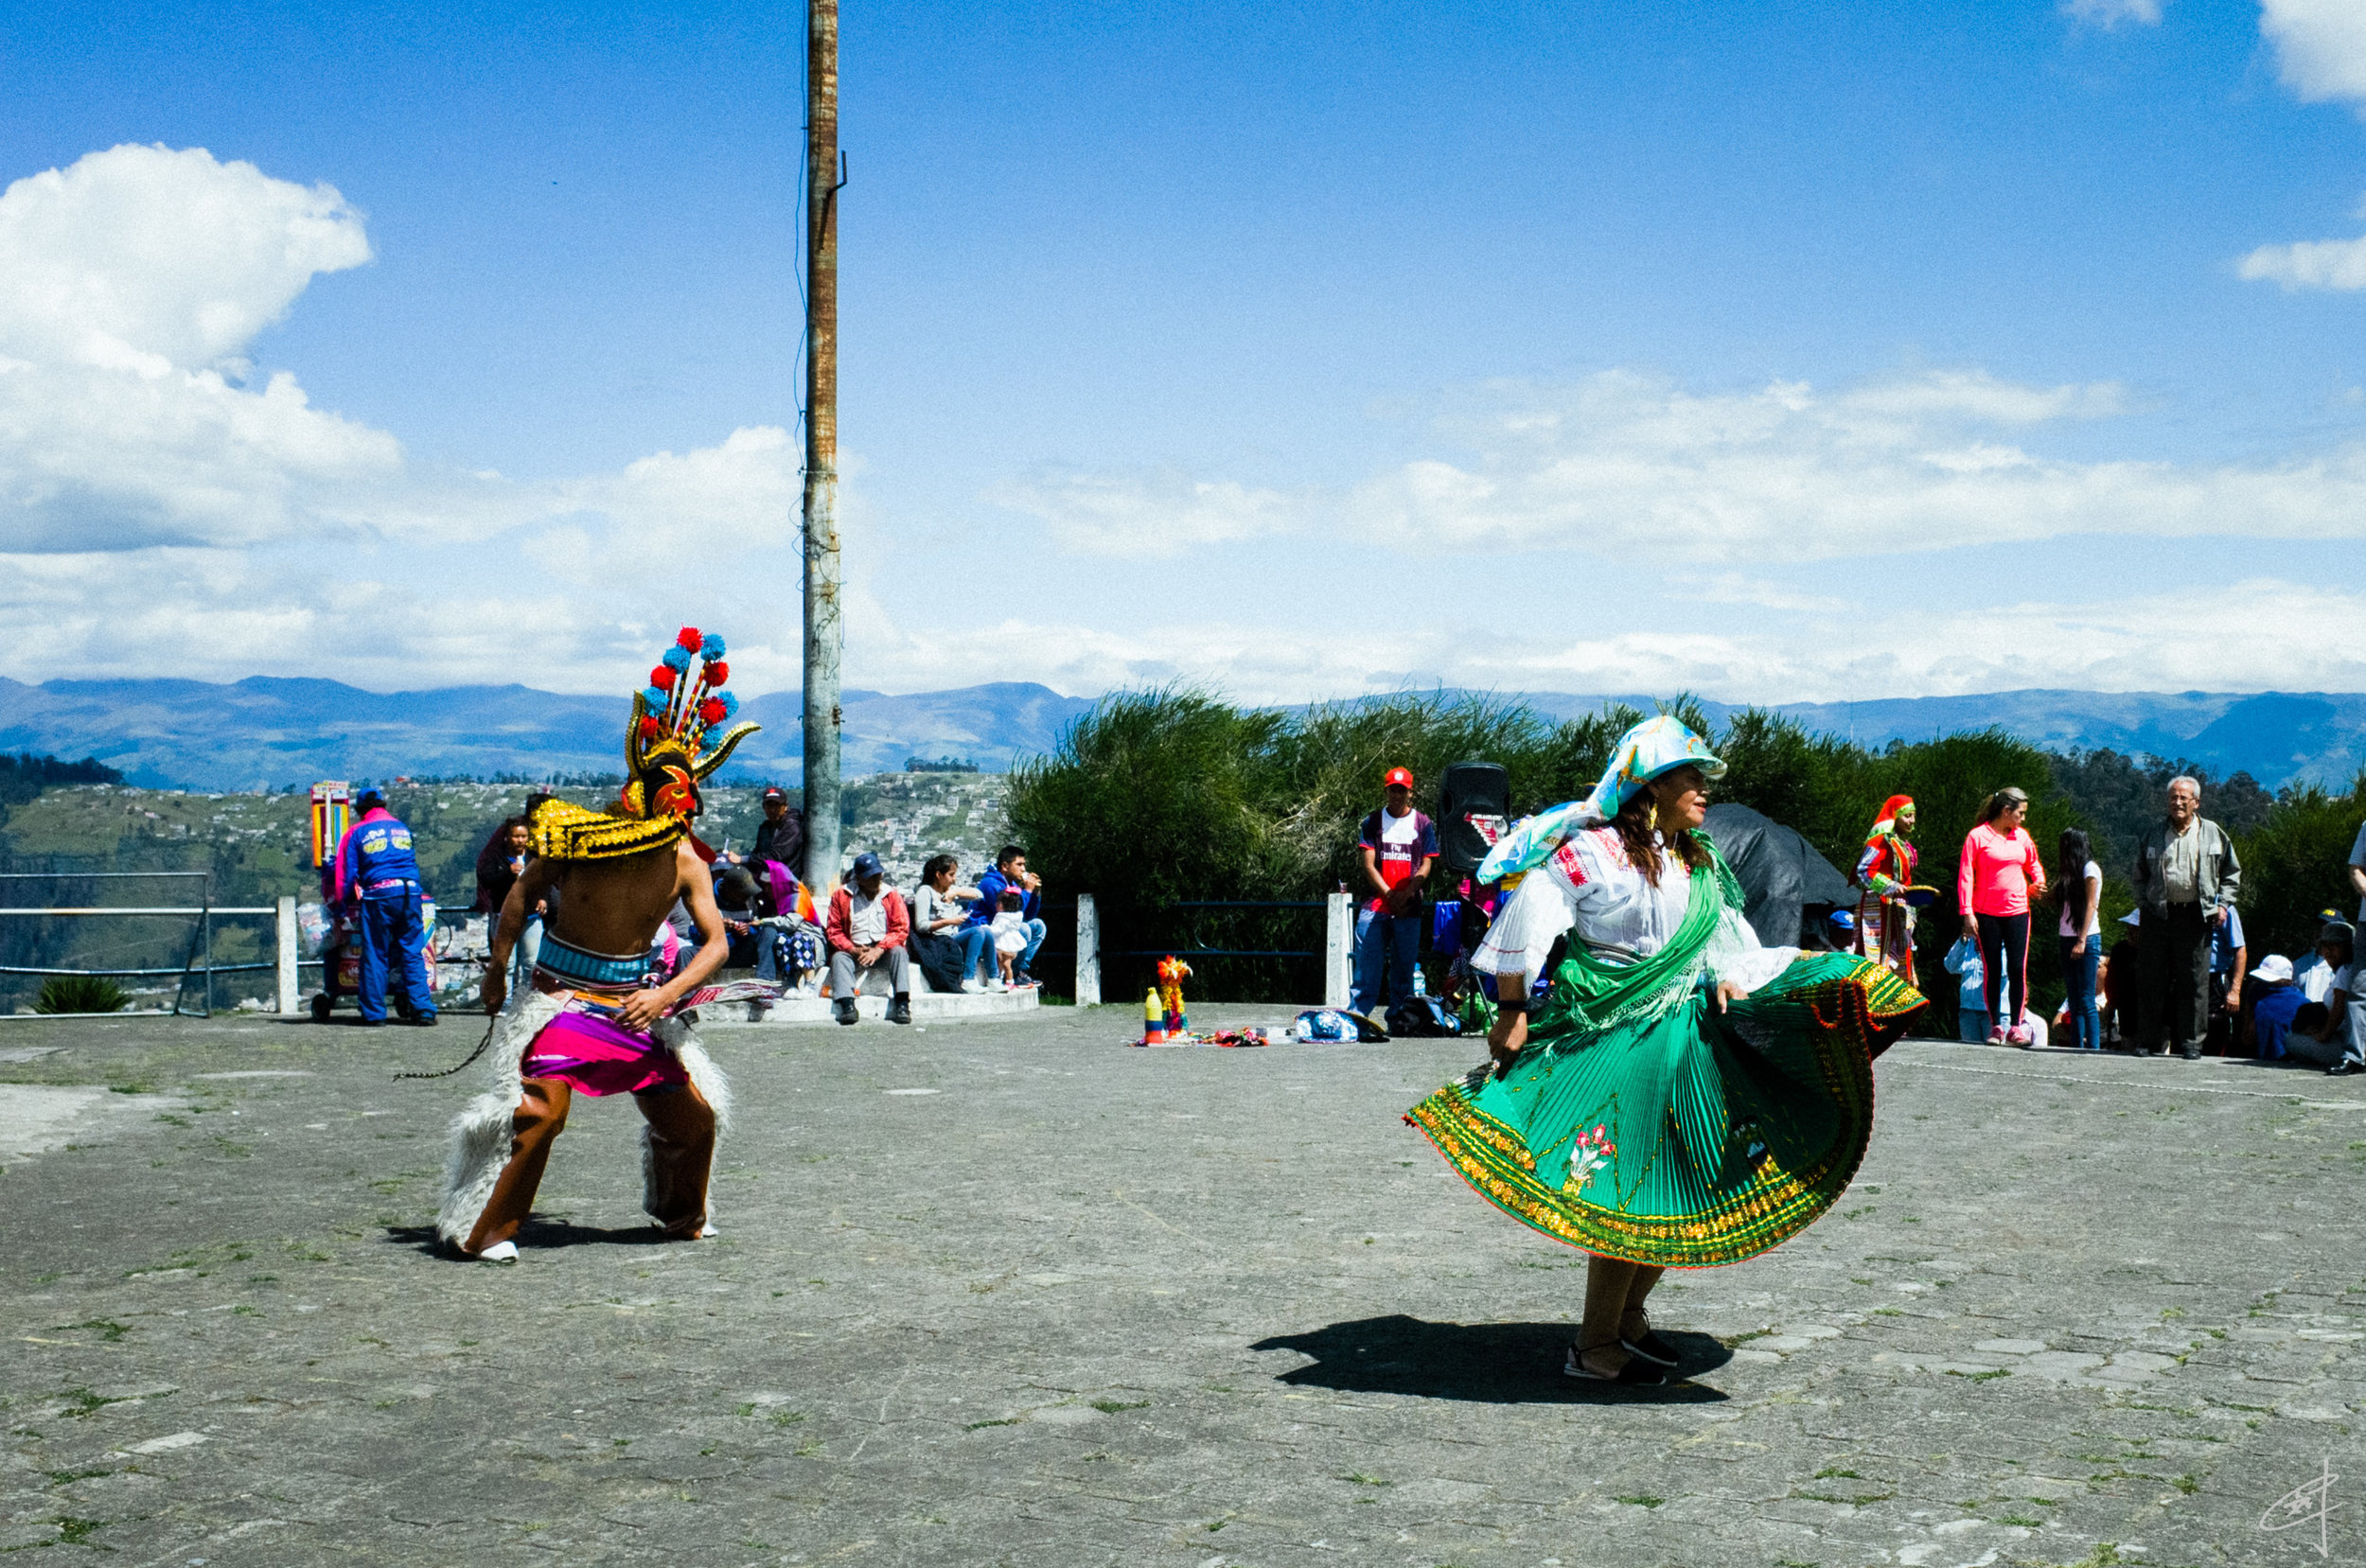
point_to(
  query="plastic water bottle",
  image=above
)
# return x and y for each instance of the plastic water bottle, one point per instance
(1421, 982)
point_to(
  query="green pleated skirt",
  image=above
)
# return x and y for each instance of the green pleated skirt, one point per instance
(1690, 1140)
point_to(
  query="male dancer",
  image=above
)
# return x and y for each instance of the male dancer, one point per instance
(604, 1014)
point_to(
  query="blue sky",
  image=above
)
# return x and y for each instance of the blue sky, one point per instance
(1779, 352)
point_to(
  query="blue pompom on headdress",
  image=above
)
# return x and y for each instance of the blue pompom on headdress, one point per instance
(711, 646)
(677, 657)
(730, 704)
(656, 697)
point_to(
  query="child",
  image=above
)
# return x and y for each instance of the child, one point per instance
(1971, 1002)
(1010, 936)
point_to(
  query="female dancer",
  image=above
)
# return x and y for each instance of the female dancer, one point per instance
(2081, 884)
(1648, 1107)
(1998, 875)
(1886, 922)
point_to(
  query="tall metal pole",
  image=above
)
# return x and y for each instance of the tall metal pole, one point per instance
(824, 635)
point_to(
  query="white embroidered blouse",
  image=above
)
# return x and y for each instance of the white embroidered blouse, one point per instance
(1589, 889)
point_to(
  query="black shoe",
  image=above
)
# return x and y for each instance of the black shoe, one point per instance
(1638, 1373)
(424, 1021)
(2344, 1067)
(371, 1023)
(1652, 1348)
(2194, 1055)
(899, 1008)
(843, 1008)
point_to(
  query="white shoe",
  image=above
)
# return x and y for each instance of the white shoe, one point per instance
(499, 1252)
(996, 984)
(710, 1230)
(971, 988)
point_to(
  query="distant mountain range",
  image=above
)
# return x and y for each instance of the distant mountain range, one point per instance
(264, 731)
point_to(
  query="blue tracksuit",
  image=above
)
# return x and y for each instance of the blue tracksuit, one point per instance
(375, 865)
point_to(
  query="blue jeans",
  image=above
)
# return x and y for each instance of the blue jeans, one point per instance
(2080, 956)
(1972, 1024)
(975, 940)
(393, 931)
(1397, 937)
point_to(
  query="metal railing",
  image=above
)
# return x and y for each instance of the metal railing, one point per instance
(201, 934)
(1335, 953)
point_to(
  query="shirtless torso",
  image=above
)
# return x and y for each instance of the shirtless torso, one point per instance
(615, 907)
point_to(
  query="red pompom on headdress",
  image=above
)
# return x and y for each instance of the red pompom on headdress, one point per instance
(712, 710)
(650, 727)
(689, 639)
(662, 677)
(717, 673)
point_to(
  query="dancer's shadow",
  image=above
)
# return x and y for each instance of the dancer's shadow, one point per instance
(1486, 1362)
(538, 1232)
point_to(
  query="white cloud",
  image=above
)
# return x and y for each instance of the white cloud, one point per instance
(1622, 463)
(2150, 642)
(2308, 264)
(2108, 14)
(2320, 46)
(163, 510)
(1146, 513)
(2321, 54)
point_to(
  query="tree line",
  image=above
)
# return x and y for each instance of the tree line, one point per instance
(1171, 796)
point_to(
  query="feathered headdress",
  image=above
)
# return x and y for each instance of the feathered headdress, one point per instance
(671, 747)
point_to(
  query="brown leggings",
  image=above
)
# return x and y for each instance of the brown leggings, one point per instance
(682, 1150)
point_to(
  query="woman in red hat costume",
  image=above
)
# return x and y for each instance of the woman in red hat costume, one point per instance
(1886, 922)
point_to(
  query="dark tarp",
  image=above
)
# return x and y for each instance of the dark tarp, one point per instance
(1780, 873)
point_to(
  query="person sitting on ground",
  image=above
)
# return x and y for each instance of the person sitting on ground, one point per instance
(1009, 870)
(868, 928)
(948, 948)
(741, 903)
(2344, 1023)
(2274, 1000)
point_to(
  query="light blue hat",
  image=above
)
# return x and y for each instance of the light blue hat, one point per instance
(1655, 747)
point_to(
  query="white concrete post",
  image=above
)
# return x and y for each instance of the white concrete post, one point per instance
(1338, 949)
(291, 989)
(1087, 952)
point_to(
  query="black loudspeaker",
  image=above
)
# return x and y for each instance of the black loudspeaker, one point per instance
(1473, 805)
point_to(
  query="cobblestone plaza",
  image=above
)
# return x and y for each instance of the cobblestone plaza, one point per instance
(1009, 1293)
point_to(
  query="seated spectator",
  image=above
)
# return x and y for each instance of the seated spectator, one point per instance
(780, 837)
(947, 946)
(868, 928)
(741, 904)
(2274, 1000)
(2342, 1026)
(1971, 999)
(1009, 870)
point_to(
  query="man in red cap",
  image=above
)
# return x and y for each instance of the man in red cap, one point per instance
(1397, 845)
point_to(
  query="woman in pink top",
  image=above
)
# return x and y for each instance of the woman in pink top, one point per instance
(2000, 872)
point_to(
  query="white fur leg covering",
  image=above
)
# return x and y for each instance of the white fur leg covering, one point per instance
(481, 1133)
(676, 1036)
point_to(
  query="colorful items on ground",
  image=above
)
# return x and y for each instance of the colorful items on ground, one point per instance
(1172, 971)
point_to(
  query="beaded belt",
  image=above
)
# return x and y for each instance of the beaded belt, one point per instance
(565, 962)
